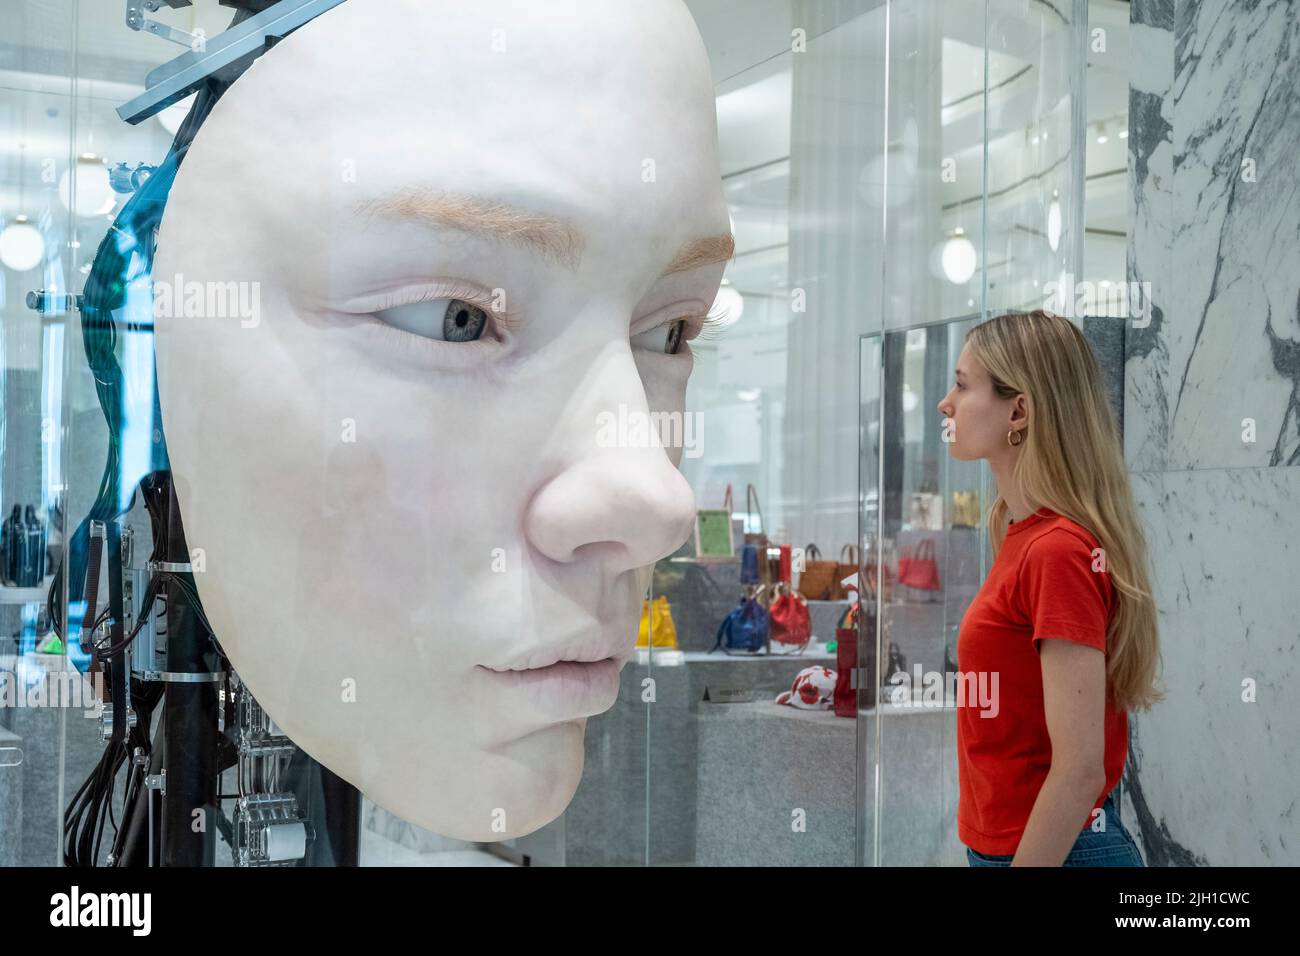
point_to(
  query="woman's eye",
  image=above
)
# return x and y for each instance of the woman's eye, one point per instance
(449, 320)
(666, 338)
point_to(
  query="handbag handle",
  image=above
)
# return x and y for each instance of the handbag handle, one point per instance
(728, 503)
(812, 553)
(751, 493)
(925, 550)
(852, 549)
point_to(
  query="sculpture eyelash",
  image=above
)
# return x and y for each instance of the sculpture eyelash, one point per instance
(713, 327)
(503, 319)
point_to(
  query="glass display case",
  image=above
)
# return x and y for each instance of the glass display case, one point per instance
(44, 189)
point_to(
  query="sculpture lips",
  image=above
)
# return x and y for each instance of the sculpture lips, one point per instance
(566, 690)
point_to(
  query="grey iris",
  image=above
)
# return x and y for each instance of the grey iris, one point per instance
(463, 322)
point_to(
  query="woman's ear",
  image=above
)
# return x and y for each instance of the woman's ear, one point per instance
(1020, 411)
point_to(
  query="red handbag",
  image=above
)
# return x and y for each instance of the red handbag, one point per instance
(920, 570)
(789, 621)
(846, 661)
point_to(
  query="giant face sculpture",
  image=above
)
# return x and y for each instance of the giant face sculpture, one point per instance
(470, 231)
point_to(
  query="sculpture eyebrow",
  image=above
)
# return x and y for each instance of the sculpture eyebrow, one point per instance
(555, 238)
(703, 252)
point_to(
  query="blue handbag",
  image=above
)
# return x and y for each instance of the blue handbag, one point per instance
(744, 629)
(749, 564)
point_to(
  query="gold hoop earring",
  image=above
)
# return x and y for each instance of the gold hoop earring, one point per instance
(1019, 438)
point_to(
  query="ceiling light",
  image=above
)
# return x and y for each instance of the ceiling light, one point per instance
(95, 196)
(22, 247)
(1054, 224)
(958, 258)
(729, 306)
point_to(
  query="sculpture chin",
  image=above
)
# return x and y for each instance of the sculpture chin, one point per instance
(521, 788)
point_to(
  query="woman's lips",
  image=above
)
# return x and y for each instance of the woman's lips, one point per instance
(564, 690)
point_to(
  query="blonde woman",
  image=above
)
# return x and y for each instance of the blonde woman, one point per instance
(1063, 631)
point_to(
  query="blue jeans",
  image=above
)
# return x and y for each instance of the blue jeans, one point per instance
(1113, 847)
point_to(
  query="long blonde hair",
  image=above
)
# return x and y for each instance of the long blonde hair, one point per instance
(1072, 462)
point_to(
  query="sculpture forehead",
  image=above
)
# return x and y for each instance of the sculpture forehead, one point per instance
(508, 96)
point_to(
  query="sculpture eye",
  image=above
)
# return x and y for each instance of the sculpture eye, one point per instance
(462, 321)
(666, 338)
(449, 320)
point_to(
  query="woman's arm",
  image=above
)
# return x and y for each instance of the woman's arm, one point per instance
(1074, 701)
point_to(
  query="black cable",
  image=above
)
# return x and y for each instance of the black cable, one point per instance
(143, 616)
(84, 819)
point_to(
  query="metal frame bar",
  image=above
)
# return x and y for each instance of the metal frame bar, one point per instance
(178, 78)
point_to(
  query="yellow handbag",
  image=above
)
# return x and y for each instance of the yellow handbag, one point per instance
(658, 621)
(965, 509)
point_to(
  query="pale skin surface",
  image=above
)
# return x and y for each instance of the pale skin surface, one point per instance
(385, 514)
(1074, 675)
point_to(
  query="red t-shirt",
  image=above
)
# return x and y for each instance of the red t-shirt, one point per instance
(1041, 585)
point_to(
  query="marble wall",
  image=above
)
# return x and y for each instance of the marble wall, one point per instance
(1212, 425)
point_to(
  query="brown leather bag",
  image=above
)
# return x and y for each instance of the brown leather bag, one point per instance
(817, 576)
